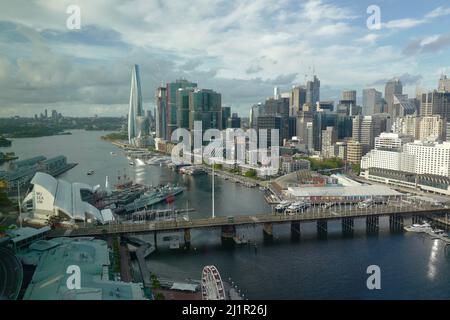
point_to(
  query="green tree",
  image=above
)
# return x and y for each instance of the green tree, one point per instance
(250, 173)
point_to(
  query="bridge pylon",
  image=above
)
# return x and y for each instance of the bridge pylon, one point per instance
(347, 226)
(322, 228)
(187, 238)
(295, 230)
(395, 222)
(372, 224)
(268, 231)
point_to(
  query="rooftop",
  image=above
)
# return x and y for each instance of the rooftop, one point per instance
(343, 191)
(92, 257)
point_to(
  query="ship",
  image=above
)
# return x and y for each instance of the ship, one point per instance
(152, 197)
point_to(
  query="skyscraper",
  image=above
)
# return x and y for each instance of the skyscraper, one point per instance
(226, 114)
(392, 87)
(182, 103)
(372, 102)
(161, 104)
(313, 91)
(205, 105)
(171, 106)
(298, 99)
(366, 128)
(348, 103)
(135, 108)
(435, 103)
(444, 84)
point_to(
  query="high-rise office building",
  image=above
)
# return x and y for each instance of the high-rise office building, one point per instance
(226, 114)
(322, 120)
(435, 103)
(279, 107)
(366, 128)
(329, 138)
(255, 111)
(182, 103)
(403, 106)
(420, 127)
(270, 122)
(313, 91)
(325, 105)
(205, 105)
(347, 105)
(431, 128)
(135, 107)
(233, 122)
(309, 136)
(372, 102)
(392, 87)
(298, 99)
(303, 118)
(407, 125)
(161, 105)
(171, 106)
(444, 84)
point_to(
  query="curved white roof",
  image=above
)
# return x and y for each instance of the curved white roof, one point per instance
(67, 197)
(46, 181)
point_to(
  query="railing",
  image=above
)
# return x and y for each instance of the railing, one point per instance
(312, 214)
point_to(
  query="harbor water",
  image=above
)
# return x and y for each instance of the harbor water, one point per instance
(413, 266)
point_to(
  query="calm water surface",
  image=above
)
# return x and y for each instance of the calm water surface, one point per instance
(412, 266)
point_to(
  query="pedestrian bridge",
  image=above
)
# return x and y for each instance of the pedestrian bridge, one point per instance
(318, 214)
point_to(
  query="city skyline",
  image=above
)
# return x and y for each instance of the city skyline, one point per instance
(242, 50)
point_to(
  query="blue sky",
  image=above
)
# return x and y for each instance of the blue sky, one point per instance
(239, 48)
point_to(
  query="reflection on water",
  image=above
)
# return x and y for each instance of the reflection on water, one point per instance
(411, 266)
(433, 257)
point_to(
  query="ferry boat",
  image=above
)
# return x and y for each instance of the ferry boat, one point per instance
(417, 227)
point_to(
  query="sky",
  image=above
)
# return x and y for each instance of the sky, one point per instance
(241, 49)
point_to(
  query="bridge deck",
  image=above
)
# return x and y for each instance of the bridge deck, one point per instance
(312, 214)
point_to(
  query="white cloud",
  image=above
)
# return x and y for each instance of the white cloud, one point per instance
(240, 48)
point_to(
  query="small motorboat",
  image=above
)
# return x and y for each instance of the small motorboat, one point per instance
(90, 172)
(424, 227)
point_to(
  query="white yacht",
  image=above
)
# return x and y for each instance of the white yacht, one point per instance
(424, 227)
(439, 232)
(297, 207)
(282, 206)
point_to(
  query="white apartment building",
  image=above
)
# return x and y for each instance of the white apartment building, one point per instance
(417, 157)
(431, 128)
(430, 157)
(420, 127)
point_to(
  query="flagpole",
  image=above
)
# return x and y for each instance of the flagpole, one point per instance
(18, 201)
(213, 213)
